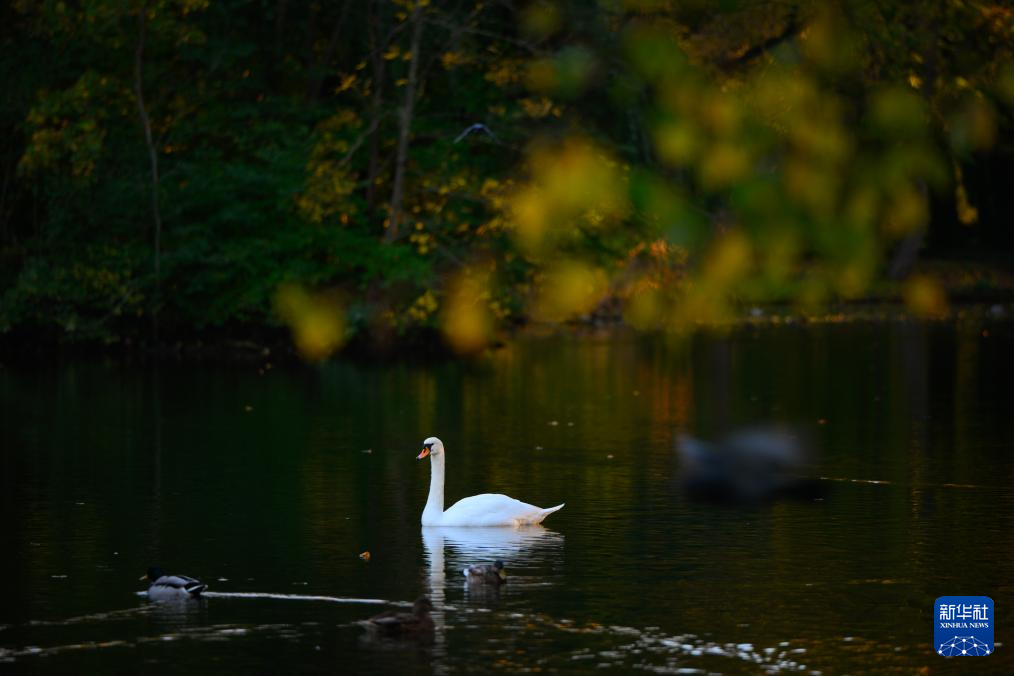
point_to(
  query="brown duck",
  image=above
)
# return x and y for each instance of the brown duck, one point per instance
(400, 623)
(486, 574)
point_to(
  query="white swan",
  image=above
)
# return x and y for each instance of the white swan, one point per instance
(488, 509)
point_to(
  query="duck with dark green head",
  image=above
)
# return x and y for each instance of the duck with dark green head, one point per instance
(164, 587)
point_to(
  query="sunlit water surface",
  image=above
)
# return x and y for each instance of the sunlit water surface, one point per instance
(268, 483)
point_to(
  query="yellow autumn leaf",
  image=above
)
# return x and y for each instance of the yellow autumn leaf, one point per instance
(466, 322)
(925, 296)
(569, 289)
(346, 83)
(728, 260)
(677, 142)
(316, 321)
(723, 164)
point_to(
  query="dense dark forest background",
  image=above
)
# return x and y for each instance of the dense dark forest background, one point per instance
(372, 169)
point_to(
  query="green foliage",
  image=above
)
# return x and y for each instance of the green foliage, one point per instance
(68, 128)
(680, 158)
(808, 136)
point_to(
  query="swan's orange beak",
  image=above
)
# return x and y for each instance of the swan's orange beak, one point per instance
(422, 454)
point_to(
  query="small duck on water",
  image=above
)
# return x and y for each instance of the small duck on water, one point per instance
(169, 587)
(486, 574)
(399, 623)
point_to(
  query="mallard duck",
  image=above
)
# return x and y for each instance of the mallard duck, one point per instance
(488, 509)
(166, 587)
(484, 573)
(396, 623)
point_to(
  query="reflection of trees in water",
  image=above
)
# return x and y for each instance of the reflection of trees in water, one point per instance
(155, 518)
(908, 404)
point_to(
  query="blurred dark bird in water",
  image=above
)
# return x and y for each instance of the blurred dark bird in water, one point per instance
(486, 573)
(399, 623)
(748, 465)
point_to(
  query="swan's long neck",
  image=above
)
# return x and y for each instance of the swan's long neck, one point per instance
(435, 503)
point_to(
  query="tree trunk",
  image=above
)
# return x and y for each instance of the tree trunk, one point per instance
(377, 61)
(318, 71)
(280, 9)
(5, 219)
(405, 128)
(152, 151)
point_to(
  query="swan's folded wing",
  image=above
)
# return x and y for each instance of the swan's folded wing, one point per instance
(493, 509)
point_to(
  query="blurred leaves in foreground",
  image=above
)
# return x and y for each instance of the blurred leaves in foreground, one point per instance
(317, 320)
(665, 163)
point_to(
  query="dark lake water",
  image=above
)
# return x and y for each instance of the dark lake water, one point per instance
(271, 482)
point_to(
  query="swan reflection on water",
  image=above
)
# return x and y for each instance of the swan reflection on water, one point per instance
(475, 545)
(524, 548)
(520, 548)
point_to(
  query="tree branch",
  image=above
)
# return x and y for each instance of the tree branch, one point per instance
(405, 128)
(149, 141)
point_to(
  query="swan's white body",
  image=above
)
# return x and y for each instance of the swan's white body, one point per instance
(488, 509)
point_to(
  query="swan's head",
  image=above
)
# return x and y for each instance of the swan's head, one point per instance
(431, 446)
